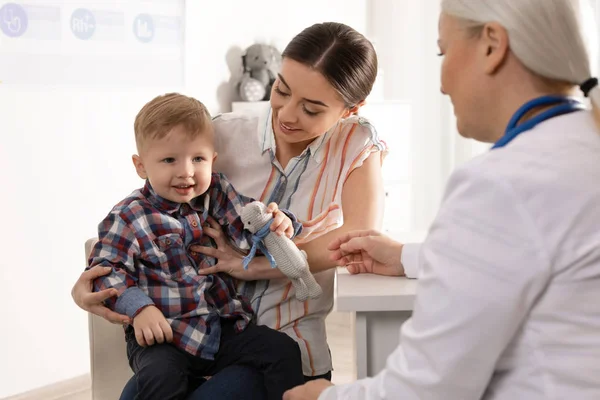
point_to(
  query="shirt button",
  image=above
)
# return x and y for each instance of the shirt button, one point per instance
(193, 253)
(282, 179)
(168, 242)
(194, 224)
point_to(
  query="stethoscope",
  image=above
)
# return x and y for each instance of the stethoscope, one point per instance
(562, 105)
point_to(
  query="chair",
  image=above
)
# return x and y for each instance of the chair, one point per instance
(108, 357)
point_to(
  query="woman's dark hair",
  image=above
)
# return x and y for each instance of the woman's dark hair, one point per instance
(345, 57)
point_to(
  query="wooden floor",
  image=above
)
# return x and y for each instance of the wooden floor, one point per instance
(341, 341)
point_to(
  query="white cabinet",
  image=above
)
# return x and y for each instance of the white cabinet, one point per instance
(239, 106)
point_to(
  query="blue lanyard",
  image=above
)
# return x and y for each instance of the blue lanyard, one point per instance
(564, 105)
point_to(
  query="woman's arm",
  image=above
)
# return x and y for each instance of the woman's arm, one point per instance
(362, 207)
(93, 302)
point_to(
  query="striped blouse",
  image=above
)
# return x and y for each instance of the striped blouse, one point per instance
(311, 187)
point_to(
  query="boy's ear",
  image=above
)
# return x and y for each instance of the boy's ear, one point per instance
(139, 166)
(215, 157)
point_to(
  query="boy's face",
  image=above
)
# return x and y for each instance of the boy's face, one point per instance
(179, 168)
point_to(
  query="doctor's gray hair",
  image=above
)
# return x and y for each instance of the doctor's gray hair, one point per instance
(555, 39)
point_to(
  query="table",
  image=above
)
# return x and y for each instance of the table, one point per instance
(381, 305)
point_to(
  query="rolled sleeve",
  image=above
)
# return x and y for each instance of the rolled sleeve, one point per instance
(132, 301)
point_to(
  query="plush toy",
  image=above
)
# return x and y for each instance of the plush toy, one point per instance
(280, 250)
(261, 64)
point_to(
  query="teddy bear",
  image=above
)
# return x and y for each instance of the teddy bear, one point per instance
(260, 64)
(280, 251)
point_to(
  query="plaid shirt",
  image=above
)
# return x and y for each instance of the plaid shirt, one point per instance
(145, 238)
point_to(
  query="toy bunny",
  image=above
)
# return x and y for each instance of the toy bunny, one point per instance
(280, 250)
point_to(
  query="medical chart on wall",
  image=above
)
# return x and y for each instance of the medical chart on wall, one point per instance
(91, 43)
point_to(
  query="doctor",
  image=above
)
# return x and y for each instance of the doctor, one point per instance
(508, 305)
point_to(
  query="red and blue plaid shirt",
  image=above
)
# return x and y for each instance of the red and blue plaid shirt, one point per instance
(145, 239)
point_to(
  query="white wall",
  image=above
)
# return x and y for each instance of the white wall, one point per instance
(65, 153)
(216, 37)
(405, 32)
(66, 110)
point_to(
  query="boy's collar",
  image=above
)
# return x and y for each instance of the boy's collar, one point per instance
(198, 204)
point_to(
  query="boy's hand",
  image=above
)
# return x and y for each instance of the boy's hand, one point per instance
(151, 327)
(282, 224)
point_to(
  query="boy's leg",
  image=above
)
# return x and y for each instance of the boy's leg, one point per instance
(161, 370)
(273, 353)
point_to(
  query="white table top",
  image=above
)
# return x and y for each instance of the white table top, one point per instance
(368, 292)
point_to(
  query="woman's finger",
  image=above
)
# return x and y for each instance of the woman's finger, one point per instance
(207, 251)
(109, 315)
(213, 222)
(94, 273)
(210, 270)
(216, 235)
(99, 297)
(212, 232)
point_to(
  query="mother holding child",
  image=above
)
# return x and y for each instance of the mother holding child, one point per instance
(308, 153)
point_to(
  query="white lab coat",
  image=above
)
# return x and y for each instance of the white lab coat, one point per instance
(508, 304)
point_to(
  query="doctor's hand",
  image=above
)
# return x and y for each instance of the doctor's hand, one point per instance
(368, 252)
(309, 391)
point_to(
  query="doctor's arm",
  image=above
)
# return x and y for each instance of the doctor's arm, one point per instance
(483, 268)
(370, 251)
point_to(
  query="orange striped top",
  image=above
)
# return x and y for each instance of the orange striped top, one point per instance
(311, 187)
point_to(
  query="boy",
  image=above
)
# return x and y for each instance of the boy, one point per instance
(185, 326)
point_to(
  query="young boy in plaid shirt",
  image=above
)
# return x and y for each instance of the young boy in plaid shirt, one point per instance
(185, 325)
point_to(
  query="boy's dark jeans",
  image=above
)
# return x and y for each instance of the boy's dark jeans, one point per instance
(165, 372)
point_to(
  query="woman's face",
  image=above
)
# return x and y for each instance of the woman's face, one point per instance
(304, 103)
(461, 78)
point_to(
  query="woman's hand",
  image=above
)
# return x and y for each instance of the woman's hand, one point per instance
(368, 252)
(92, 302)
(229, 259)
(282, 224)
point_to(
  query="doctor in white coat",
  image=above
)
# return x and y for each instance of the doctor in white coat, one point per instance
(508, 304)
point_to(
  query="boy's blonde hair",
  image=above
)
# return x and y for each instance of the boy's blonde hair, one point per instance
(163, 113)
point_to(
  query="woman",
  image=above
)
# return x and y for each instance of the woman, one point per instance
(310, 154)
(508, 305)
